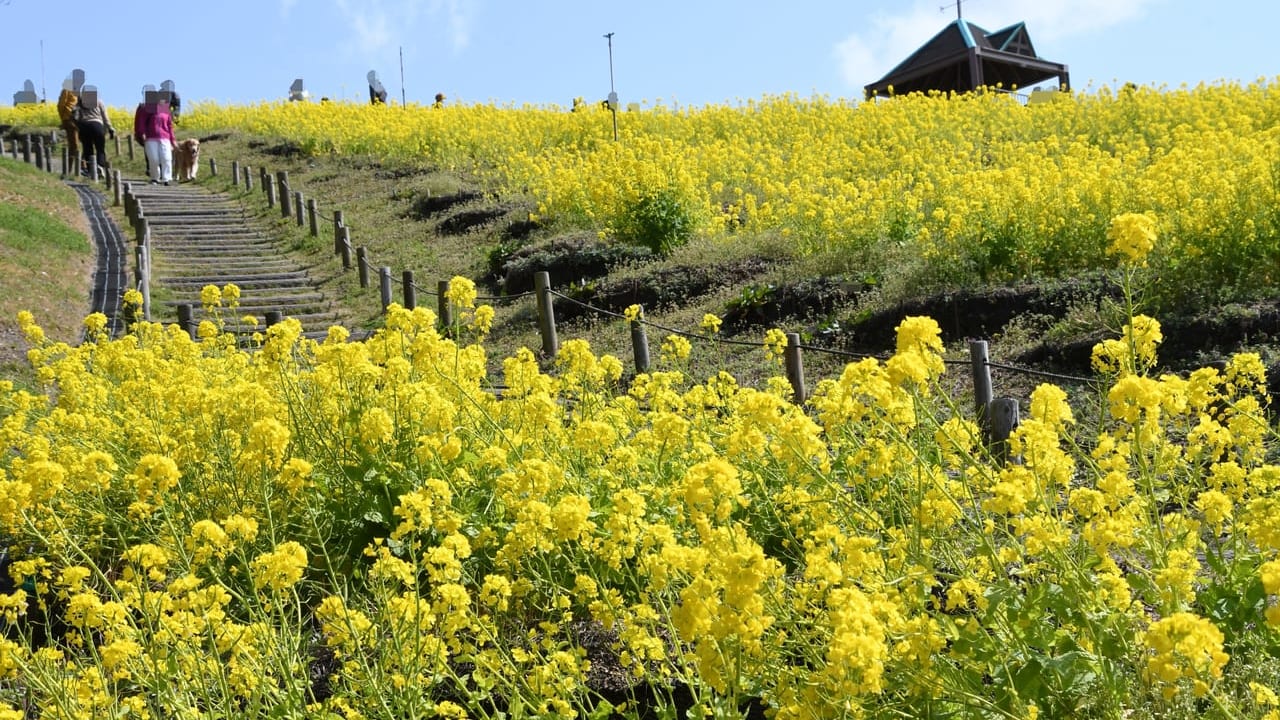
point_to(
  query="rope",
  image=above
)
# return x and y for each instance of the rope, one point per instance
(1044, 374)
(842, 353)
(581, 304)
(425, 291)
(505, 298)
(664, 328)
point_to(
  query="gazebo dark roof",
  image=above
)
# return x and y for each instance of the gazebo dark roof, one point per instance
(963, 57)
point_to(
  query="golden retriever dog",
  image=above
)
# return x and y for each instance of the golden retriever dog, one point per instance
(186, 159)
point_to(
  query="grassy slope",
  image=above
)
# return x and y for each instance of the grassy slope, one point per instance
(45, 260)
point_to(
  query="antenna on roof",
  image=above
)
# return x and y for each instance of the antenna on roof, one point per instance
(956, 4)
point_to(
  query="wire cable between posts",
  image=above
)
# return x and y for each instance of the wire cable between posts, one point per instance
(815, 348)
(664, 328)
(505, 298)
(1045, 374)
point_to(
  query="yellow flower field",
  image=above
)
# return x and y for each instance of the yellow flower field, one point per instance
(367, 530)
(969, 187)
(372, 530)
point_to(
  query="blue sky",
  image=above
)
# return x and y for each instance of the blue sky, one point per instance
(685, 52)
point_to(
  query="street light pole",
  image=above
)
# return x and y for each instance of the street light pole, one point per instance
(613, 95)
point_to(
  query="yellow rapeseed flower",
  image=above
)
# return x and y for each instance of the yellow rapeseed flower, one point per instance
(1132, 237)
(1184, 646)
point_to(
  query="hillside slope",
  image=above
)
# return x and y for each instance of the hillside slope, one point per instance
(439, 225)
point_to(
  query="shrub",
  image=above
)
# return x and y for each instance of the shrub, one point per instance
(660, 220)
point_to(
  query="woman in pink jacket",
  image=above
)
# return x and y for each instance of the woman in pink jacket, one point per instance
(154, 125)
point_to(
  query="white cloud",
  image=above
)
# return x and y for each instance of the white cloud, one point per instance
(379, 25)
(868, 54)
(460, 14)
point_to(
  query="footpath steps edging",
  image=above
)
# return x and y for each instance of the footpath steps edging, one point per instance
(198, 238)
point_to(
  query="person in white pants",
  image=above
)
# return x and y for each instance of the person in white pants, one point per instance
(154, 126)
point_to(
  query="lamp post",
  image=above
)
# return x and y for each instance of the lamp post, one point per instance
(613, 96)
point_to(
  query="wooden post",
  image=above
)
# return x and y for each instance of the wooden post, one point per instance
(115, 185)
(311, 217)
(546, 314)
(235, 173)
(248, 178)
(143, 274)
(66, 161)
(116, 140)
(639, 346)
(143, 231)
(213, 167)
(264, 178)
(443, 305)
(384, 287)
(128, 200)
(130, 148)
(39, 152)
(362, 264)
(297, 206)
(187, 320)
(346, 248)
(978, 359)
(409, 290)
(1003, 413)
(282, 181)
(271, 193)
(274, 317)
(337, 231)
(795, 367)
(26, 149)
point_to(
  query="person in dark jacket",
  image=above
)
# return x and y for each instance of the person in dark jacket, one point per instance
(93, 125)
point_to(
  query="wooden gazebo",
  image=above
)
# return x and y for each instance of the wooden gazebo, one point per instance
(964, 57)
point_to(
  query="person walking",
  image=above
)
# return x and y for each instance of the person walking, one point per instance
(155, 126)
(140, 118)
(94, 125)
(67, 114)
(175, 101)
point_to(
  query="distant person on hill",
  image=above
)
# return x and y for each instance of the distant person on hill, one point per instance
(175, 102)
(93, 124)
(67, 113)
(146, 107)
(377, 93)
(439, 103)
(156, 129)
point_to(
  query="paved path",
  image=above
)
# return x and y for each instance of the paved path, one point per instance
(110, 275)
